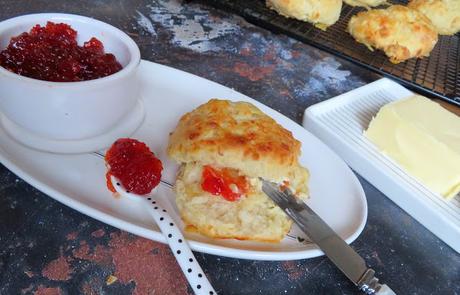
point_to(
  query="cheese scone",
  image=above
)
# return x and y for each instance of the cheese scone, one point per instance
(365, 3)
(444, 14)
(401, 32)
(224, 148)
(322, 13)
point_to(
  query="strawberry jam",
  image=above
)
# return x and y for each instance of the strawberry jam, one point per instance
(51, 53)
(134, 165)
(226, 183)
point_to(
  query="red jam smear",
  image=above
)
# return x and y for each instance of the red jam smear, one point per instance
(51, 53)
(219, 182)
(134, 165)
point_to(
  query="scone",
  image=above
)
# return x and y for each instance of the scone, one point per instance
(223, 148)
(444, 14)
(322, 13)
(401, 32)
(365, 3)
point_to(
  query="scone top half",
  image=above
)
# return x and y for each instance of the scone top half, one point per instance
(237, 135)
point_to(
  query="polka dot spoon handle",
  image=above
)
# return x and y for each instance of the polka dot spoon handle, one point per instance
(179, 246)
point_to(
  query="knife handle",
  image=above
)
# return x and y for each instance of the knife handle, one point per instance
(370, 285)
(385, 290)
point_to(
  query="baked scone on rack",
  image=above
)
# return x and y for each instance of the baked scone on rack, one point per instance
(399, 31)
(224, 148)
(444, 14)
(322, 13)
(365, 3)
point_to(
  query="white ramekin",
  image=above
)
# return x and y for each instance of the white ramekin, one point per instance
(70, 110)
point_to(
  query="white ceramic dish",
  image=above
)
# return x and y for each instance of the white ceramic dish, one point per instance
(336, 194)
(340, 122)
(124, 128)
(69, 111)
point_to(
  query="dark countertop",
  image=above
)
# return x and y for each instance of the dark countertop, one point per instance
(48, 248)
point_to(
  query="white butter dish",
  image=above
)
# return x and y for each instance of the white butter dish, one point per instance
(340, 123)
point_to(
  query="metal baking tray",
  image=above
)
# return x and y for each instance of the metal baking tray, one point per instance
(438, 75)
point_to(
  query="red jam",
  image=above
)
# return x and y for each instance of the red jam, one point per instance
(51, 53)
(134, 165)
(220, 182)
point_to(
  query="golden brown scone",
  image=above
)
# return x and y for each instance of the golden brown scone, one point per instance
(235, 137)
(401, 32)
(322, 13)
(365, 3)
(238, 135)
(252, 217)
(444, 14)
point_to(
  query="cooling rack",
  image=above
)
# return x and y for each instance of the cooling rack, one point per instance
(438, 75)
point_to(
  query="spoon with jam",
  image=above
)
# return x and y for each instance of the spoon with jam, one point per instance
(134, 172)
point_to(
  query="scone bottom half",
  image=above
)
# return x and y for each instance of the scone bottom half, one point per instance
(224, 149)
(252, 216)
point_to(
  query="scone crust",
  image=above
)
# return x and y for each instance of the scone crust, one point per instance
(238, 135)
(365, 3)
(253, 217)
(444, 14)
(399, 31)
(321, 12)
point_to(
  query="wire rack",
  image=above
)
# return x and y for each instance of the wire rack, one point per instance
(438, 75)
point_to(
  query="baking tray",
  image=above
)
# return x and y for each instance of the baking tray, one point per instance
(438, 75)
(339, 122)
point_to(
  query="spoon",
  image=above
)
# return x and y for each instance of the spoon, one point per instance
(176, 241)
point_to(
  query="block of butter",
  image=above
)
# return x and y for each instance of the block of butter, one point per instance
(423, 138)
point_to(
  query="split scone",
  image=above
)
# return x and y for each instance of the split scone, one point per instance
(322, 13)
(401, 32)
(365, 3)
(224, 148)
(444, 14)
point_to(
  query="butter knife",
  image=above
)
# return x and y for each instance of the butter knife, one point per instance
(338, 251)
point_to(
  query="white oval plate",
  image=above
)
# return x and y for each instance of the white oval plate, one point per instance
(78, 181)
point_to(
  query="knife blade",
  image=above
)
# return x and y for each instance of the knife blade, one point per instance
(338, 251)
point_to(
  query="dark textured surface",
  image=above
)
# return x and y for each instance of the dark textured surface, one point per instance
(47, 248)
(436, 75)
